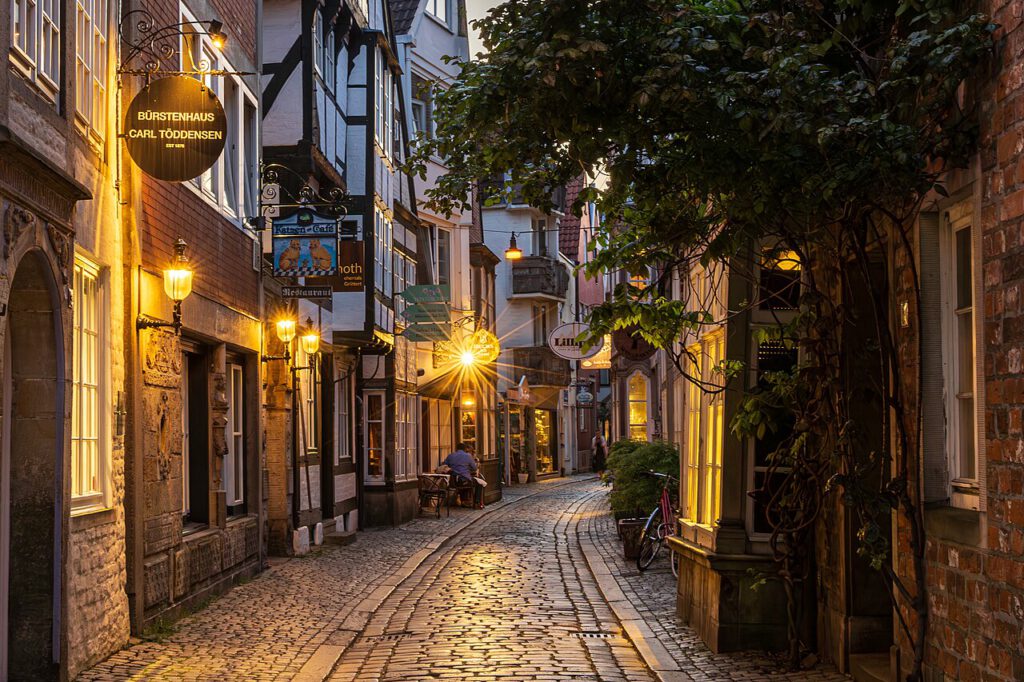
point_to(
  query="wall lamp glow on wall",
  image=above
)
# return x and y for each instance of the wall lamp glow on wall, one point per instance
(177, 286)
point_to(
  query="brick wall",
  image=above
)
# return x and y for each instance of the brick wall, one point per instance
(976, 585)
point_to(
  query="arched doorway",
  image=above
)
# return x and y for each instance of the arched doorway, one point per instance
(31, 477)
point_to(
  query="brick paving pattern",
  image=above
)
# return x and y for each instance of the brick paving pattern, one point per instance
(652, 594)
(508, 597)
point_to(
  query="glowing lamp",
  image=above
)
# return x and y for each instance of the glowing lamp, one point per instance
(286, 330)
(513, 252)
(217, 36)
(467, 358)
(178, 277)
(310, 341)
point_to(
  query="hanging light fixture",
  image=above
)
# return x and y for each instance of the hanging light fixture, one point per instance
(513, 252)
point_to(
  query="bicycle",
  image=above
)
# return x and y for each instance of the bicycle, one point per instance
(660, 525)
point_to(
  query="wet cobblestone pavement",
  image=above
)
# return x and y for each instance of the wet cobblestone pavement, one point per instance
(503, 595)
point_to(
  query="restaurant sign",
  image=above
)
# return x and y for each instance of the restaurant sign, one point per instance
(305, 245)
(175, 128)
(562, 342)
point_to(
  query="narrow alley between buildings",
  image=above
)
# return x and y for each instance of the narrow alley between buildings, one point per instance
(532, 588)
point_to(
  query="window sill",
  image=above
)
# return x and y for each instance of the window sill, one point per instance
(191, 528)
(91, 517)
(953, 524)
(439, 22)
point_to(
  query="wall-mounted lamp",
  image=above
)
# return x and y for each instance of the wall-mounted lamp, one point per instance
(468, 399)
(217, 36)
(177, 286)
(285, 332)
(513, 252)
(310, 339)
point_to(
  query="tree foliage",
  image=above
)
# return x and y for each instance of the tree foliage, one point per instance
(714, 129)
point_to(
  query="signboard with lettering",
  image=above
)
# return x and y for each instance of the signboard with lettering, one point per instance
(350, 266)
(306, 292)
(305, 245)
(562, 342)
(175, 128)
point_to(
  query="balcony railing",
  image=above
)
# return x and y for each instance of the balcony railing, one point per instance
(540, 365)
(539, 276)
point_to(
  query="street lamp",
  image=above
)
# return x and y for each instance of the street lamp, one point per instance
(177, 286)
(310, 341)
(513, 252)
(285, 333)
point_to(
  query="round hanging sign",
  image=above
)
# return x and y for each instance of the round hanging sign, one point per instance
(175, 128)
(562, 342)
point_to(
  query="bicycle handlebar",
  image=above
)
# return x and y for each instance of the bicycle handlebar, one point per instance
(658, 474)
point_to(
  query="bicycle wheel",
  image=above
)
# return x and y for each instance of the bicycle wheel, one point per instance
(675, 563)
(650, 540)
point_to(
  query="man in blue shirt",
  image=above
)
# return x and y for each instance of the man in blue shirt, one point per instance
(463, 465)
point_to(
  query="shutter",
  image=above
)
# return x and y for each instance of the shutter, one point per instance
(934, 462)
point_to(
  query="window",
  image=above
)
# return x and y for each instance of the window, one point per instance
(439, 9)
(383, 252)
(540, 237)
(234, 460)
(780, 280)
(330, 68)
(343, 412)
(772, 356)
(92, 23)
(385, 85)
(196, 484)
(406, 409)
(714, 423)
(541, 324)
(960, 359)
(444, 256)
(231, 183)
(186, 447)
(467, 421)
(35, 25)
(374, 428)
(318, 42)
(88, 446)
(636, 406)
(309, 394)
(694, 398)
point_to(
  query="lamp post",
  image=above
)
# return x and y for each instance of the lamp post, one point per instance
(177, 286)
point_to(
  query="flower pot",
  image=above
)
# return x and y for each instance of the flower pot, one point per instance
(523, 477)
(629, 531)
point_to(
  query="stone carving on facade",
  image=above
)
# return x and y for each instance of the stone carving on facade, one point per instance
(163, 436)
(161, 358)
(17, 221)
(61, 244)
(219, 419)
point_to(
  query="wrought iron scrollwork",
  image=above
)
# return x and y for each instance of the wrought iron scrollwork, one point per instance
(157, 46)
(284, 188)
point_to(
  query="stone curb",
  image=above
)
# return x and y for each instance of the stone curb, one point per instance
(319, 666)
(652, 651)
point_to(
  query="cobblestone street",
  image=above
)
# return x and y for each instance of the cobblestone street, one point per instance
(532, 589)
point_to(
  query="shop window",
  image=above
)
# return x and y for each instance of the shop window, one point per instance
(90, 448)
(92, 24)
(705, 427)
(468, 424)
(373, 427)
(234, 460)
(343, 412)
(406, 410)
(714, 352)
(546, 441)
(636, 407)
(197, 428)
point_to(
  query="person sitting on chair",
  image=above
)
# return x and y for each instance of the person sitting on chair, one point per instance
(463, 467)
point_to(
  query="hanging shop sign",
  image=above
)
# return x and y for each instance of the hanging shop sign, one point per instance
(562, 342)
(305, 245)
(426, 293)
(175, 128)
(603, 360)
(629, 344)
(350, 266)
(306, 292)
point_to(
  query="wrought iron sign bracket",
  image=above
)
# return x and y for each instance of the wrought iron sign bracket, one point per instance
(155, 45)
(276, 196)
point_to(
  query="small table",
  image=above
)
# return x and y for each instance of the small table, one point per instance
(434, 490)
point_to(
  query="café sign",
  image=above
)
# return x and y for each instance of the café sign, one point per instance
(306, 245)
(175, 128)
(562, 342)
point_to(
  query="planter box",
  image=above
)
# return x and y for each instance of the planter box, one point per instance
(629, 531)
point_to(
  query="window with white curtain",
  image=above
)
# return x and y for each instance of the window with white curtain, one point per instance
(92, 23)
(89, 456)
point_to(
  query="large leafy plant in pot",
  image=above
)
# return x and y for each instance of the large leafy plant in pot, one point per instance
(634, 492)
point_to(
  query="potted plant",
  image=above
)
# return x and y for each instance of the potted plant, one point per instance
(634, 493)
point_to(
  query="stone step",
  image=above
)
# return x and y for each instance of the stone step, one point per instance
(869, 667)
(345, 537)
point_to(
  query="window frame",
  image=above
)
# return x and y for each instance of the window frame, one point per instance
(92, 63)
(630, 424)
(443, 16)
(234, 437)
(99, 497)
(965, 492)
(343, 418)
(367, 423)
